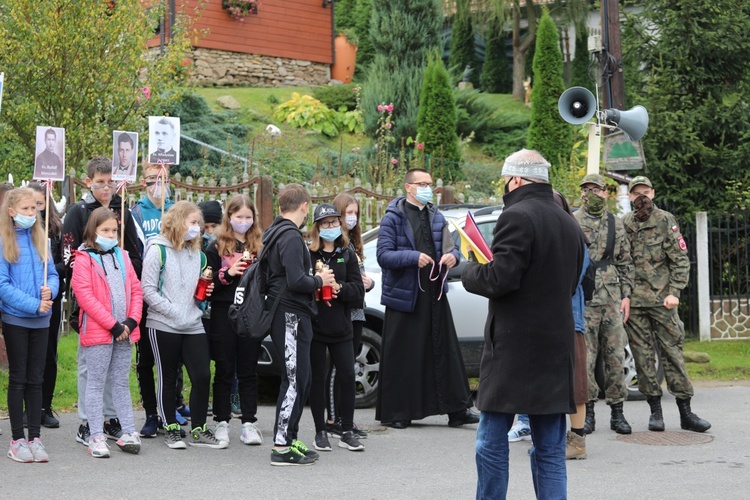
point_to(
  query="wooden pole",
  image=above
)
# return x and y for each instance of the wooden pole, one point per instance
(46, 228)
(163, 174)
(122, 213)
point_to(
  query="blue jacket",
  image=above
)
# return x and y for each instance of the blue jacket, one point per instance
(20, 282)
(148, 218)
(398, 257)
(579, 302)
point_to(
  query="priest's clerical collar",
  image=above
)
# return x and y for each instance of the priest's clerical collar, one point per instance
(416, 205)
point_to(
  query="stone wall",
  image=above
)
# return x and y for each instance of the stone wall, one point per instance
(730, 319)
(218, 67)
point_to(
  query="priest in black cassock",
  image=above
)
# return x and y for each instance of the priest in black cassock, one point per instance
(421, 369)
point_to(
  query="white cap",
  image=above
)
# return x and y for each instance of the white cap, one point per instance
(526, 163)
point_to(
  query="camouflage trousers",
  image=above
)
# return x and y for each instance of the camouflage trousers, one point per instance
(658, 327)
(605, 333)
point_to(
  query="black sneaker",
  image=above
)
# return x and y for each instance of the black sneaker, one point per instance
(300, 447)
(48, 419)
(334, 429)
(321, 441)
(290, 457)
(84, 433)
(358, 433)
(350, 442)
(113, 429)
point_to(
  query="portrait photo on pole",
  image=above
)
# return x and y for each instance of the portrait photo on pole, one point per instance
(164, 140)
(49, 163)
(124, 155)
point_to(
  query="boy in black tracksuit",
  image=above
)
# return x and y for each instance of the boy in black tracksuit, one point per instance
(290, 275)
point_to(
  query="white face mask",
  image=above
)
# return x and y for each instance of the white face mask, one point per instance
(351, 221)
(192, 232)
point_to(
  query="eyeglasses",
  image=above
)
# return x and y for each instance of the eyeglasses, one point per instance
(111, 185)
(329, 224)
(423, 184)
(595, 190)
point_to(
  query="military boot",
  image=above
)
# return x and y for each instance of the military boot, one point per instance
(688, 419)
(656, 420)
(589, 424)
(617, 422)
(575, 446)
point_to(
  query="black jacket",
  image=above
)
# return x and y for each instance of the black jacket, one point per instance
(75, 222)
(224, 284)
(537, 251)
(334, 323)
(289, 261)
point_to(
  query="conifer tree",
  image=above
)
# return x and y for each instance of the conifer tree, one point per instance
(497, 70)
(462, 52)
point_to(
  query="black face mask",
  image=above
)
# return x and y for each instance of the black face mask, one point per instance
(304, 222)
(507, 188)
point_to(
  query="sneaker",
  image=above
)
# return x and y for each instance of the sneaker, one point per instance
(350, 442)
(202, 436)
(38, 451)
(300, 447)
(84, 433)
(173, 438)
(98, 447)
(221, 432)
(48, 419)
(358, 433)
(334, 429)
(290, 456)
(184, 410)
(112, 429)
(321, 441)
(151, 426)
(251, 434)
(130, 443)
(234, 401)
(179, 418)
(519, 432)
(20, 452)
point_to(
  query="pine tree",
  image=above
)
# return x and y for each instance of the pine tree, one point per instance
(497, 71)
(548, 133)
(436, 122)
(462, 52)
(579, 74)
(403, 33)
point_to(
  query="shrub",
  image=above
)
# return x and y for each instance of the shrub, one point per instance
(304, 111)
(337, 96)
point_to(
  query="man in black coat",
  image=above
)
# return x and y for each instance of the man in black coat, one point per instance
(527, 363)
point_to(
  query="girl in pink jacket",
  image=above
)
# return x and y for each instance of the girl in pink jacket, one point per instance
(109, 295)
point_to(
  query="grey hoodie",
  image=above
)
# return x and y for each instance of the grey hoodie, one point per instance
(173, 309)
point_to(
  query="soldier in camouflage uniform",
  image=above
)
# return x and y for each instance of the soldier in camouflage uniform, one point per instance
(661, 272)
(610, 304)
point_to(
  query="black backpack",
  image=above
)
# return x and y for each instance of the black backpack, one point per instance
(248, 315)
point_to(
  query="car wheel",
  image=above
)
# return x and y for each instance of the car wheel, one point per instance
(367, 369)
(630, 375)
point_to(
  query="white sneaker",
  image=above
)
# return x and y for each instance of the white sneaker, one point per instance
(251, 434)
(221, 432)
(37, 450)
(519, 432)
(98, 447)
(130, 443)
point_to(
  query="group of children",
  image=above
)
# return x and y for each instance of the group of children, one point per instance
(141, 285)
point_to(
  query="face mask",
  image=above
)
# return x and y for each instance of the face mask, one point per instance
(593, 204)
(192, 232)
(209, 237)
(154, 188)
(106, 244)
(506, 190)
(24, 221)
(642, 208)
(304, 222)
(241, 227)
(424, 195)
(351, 221)
(330, 234)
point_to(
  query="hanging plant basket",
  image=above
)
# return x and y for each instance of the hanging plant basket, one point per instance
(240, 9)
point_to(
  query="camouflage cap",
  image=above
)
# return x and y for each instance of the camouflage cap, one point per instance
(641, 179)
(594, 179)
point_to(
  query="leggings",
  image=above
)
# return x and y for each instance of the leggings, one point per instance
(50, 367)
(27, 349)
(109, 362)
(333, 386)
(171, 349)
(342, 356)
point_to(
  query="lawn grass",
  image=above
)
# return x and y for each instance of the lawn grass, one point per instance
(254, 98)
(730, 360)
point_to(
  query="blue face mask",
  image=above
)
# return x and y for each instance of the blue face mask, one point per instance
(209, 237)
(424, 195)
(106, 244)
(24, 221)
(330, 234)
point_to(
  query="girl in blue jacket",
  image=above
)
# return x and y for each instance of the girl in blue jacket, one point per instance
(26, 306)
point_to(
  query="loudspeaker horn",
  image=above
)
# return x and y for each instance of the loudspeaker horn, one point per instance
(633, 122)
(577, 105)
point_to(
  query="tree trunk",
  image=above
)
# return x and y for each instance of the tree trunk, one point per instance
(521, 47)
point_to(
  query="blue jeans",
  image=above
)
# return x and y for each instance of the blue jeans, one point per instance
(547, 455)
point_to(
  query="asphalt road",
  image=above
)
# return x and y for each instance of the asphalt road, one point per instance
(428, 460)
